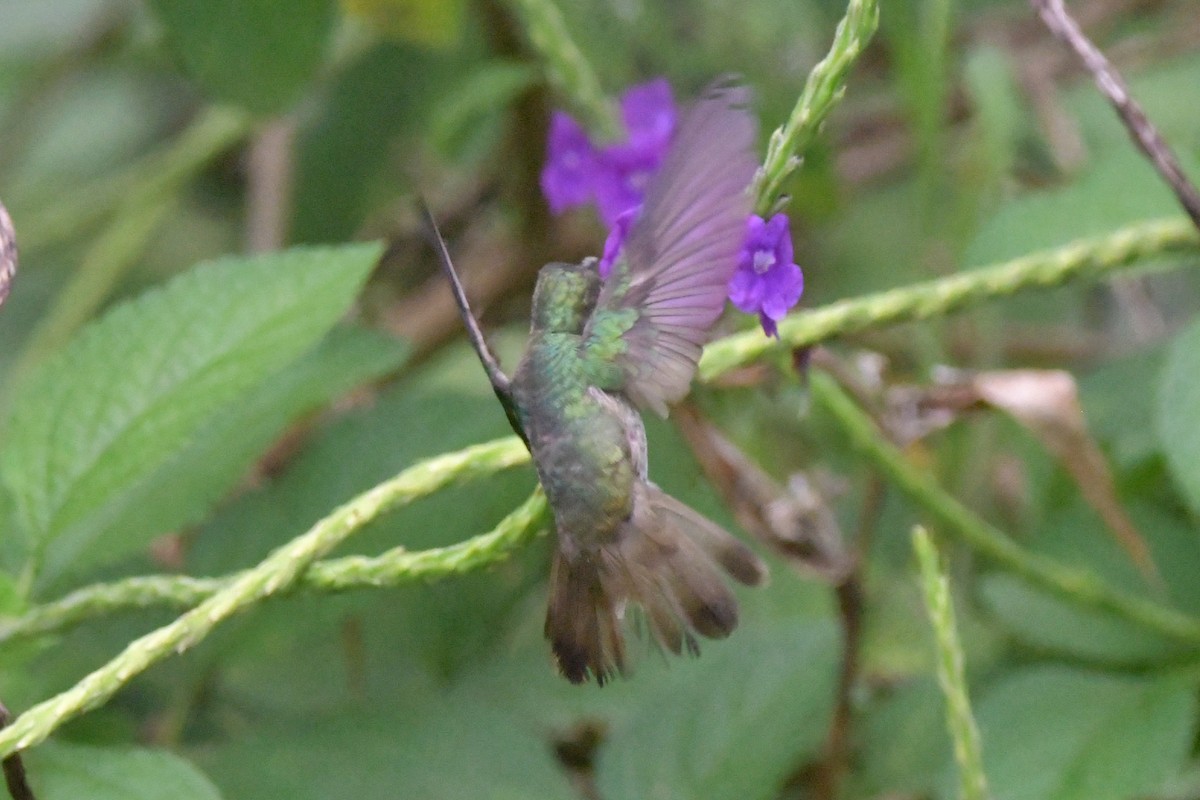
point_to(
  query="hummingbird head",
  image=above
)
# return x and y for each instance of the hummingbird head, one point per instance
(565, 296)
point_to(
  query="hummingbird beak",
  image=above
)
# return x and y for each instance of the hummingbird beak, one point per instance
(501, 384)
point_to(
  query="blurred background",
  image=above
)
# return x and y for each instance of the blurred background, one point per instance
(138, 139)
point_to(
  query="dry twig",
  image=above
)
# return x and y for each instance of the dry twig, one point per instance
(1056, 17)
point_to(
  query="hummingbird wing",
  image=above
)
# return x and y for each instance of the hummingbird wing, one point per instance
(654, 312)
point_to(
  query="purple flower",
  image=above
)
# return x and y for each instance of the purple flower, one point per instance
(567, 179)
(616, 240)
(615, 175)
(648, 110)
(620, 182)
(766, 281)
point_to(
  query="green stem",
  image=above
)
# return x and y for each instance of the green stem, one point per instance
(567, 67)
(392, 568)
(1092, 257)
(950, 672)
(825, 86)
(278, 573)
(1086, 259)
(1077, 586)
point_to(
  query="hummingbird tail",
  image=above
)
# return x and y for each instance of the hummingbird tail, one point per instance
(668, 559)
(674, 567)
(582, 621)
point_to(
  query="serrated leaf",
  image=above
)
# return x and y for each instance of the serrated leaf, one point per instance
(186, 487)
(255, 53)
(133, 389)
(1053, 733)
(1179, 413)
(60, 771)
(734, 724)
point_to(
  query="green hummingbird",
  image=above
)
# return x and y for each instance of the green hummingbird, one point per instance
(600, 349)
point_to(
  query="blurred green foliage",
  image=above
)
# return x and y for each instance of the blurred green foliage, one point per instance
(204, 415)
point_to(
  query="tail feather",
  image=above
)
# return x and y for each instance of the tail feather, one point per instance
(734, 557)
(669, 630)
(668, 559)
(582, 621)
(682, 579)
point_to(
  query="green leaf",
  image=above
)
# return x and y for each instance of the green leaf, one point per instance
(1120, 408)
(1074, 534)
(1050, 624)
(444, 748)
(134, 388)
(1119, 190)
(470, 112)
(12, 544)
(437, 629)
(1053, 733)
(904, 741)
(1179, 413)
(445, 405)
(733, 724)
(1000, 118)
(1157, 87)
(254, 53)
(342, 154)
(60, 771)
(11, 601)
(183, 490)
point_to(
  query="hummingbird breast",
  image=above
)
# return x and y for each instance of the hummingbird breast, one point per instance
(588, 446)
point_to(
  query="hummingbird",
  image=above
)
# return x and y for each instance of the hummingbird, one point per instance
(598, 351)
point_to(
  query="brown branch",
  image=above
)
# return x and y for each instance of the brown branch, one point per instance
(1054, 14)
(797, 523)
(8, 253)
(270, 176)
(835, 763)
(14, 768)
